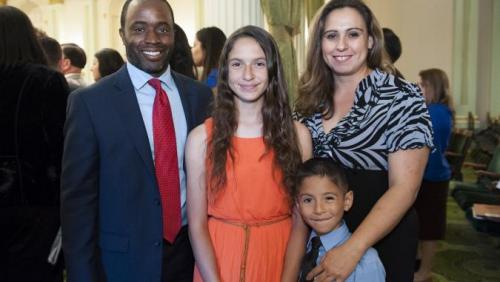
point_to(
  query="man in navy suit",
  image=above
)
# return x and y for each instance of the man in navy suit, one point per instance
(112, 221)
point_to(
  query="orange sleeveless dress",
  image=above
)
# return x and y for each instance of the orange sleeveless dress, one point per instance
(249, 221)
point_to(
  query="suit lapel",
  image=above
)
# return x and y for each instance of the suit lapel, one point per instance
(127, 108)
(184, 93)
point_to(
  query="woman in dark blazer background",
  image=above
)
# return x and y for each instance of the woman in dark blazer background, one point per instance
(32, 115)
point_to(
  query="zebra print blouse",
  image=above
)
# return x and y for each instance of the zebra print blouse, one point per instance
(389, 114)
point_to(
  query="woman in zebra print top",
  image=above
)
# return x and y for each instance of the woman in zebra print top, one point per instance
(374, 124)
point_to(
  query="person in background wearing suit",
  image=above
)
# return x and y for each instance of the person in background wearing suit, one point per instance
(32, 113)
(73, 62)
(123, 187)
(52, 50)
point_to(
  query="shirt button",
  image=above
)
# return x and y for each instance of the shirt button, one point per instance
(157, 243)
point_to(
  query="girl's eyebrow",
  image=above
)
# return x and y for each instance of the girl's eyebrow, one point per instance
(241, 59)
(349, 29)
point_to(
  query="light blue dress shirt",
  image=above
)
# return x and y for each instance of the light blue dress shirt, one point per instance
(145, 94)
(369, 268)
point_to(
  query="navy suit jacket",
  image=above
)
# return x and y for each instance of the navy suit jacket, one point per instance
(110, 203)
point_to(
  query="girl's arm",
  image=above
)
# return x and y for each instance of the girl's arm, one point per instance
(197, 205)
(296, 248)
(297, 243)
(406, 168)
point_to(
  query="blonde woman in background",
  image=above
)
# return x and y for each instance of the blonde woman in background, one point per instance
(431, 200)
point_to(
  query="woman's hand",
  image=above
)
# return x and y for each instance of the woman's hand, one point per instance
(337, 264)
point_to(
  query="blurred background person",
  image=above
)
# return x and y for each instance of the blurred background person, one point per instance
(393, 47)
(182, 60)
(431, 200)
(106, 61)
(74, 60)
(52, 50)
(32, 114)
(206, 52)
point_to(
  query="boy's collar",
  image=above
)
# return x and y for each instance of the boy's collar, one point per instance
(333, 238)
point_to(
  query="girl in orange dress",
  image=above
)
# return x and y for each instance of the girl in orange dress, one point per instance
(240, 164)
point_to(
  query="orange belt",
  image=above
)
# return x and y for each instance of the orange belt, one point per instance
(246, 227)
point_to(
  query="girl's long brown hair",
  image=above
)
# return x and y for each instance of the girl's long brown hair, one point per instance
(278, 129)
(316, 85)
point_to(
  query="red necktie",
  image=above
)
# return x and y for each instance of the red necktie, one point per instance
(166, 165)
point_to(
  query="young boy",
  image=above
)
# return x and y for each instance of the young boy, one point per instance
(322, 196)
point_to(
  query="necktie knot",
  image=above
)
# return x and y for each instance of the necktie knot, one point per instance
(155, 83)
(315, 243)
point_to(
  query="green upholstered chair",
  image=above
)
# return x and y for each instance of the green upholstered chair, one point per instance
(460, 142)
(483, 191)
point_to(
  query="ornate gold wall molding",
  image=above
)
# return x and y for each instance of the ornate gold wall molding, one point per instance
(56, 1)
(3, 2)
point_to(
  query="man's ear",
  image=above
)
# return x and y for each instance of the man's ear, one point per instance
(65, 64)
(348, 199)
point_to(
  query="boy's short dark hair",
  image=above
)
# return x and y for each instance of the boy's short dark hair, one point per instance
(321, 167)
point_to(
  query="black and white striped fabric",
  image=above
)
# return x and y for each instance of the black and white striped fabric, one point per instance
(389, 114)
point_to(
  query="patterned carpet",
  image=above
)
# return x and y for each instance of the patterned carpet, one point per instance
(466, 255)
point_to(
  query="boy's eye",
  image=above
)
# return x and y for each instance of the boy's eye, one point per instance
(330, 198)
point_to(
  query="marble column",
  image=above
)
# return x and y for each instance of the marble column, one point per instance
(229, 15)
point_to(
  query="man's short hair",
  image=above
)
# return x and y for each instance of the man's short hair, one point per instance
(52, 50)
(75, 54)
(125, 10)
